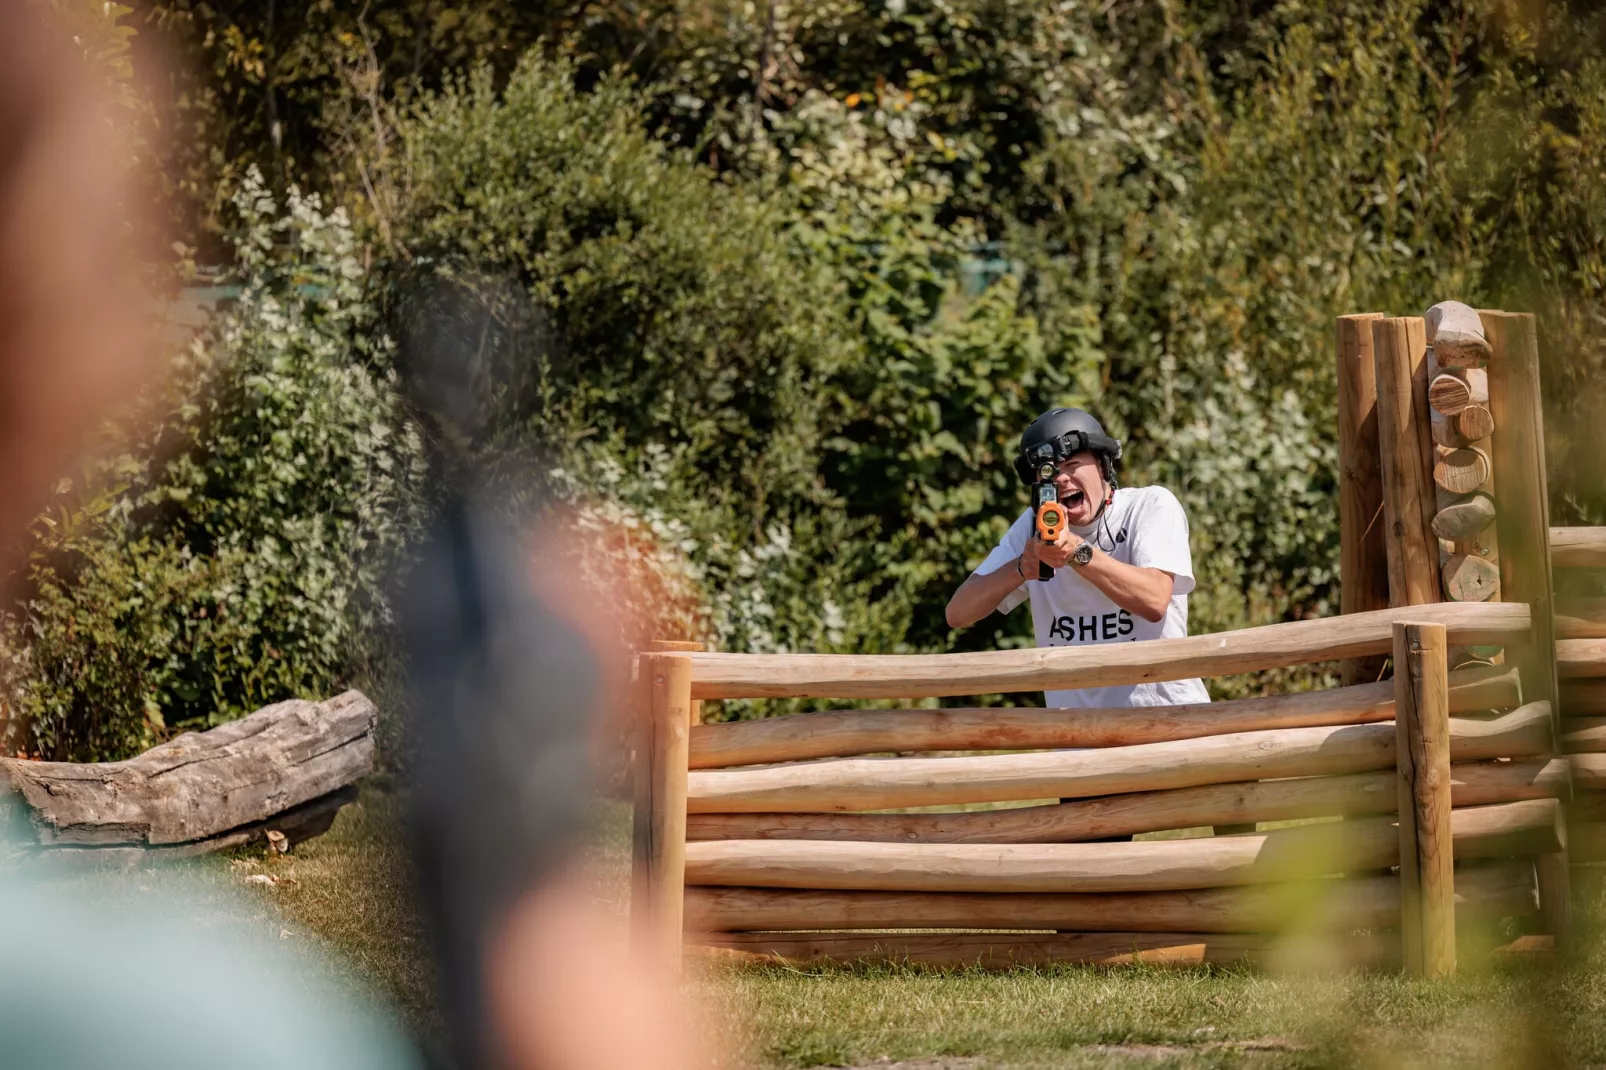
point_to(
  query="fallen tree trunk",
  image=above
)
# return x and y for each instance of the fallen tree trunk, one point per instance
(201, 786)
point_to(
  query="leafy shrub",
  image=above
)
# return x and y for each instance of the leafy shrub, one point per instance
(235, 552)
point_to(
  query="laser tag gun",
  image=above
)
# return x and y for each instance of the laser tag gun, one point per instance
(1048, 514)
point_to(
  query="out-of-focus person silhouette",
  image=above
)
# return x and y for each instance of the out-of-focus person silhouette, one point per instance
(533, 973)
(506, 674)
(94, 973)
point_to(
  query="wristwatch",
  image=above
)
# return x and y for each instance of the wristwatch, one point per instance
(1081, 555)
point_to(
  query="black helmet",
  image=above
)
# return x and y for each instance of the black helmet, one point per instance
(1059, 433)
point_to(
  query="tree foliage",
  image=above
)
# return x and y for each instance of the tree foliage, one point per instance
(797, 275)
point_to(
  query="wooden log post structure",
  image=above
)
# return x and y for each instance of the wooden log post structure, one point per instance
(659, 861)
(1363, 562)
(1399, 348)
(1523, 524)
(1422, 751)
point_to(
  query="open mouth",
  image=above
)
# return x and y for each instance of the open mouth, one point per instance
(1073, 499)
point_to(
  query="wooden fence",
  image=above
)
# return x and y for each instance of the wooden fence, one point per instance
(773, 838)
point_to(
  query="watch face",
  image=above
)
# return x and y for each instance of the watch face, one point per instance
(1083, 553)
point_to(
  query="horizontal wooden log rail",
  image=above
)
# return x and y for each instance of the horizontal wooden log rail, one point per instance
(1581, 618)
(1584, 735)
(1578, 547)
(890, 783)
(841, 733)
(1002, 951)
(1472, 784)
(1588, 771)
(1583, 698)
(1578, 659)
(1274, 646)
(1508, 829)
(1482, 892)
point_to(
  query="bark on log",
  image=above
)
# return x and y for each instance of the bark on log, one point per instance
(1464, 517)
(1509, 829)
(1578, 547)
(882, 784)
(1111, 816)
(1481, 892)
(843, 733)
(204, 784)
(1272, 646)
(1363, 560)
(1460, 471)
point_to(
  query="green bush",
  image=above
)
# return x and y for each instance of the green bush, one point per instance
(236, 551)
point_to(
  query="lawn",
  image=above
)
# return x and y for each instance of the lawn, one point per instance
(349, 889)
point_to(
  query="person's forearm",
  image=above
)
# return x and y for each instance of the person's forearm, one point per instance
(1144, 591)
(980, 594)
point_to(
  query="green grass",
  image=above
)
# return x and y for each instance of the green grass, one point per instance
(349, 888)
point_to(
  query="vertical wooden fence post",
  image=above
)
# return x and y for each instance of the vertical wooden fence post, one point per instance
(1363, 562)
(659, 857)
(1523, 520)
(1399, 348)
(1422, 739)
(682, 646)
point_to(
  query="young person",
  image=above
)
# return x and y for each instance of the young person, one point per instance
(1122, 567)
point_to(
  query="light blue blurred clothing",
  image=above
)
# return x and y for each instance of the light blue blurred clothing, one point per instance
(94, 977)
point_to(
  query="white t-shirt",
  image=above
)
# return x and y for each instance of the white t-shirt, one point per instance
(1146, 527)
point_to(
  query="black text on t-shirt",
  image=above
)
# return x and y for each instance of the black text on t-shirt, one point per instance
(1092, 628)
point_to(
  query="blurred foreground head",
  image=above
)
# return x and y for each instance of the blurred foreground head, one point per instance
(73, 312)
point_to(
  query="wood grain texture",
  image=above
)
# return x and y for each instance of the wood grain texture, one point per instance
(1477, 783)
(889, 783)
(668, 681)
(1578, 547)
(1451, 390)
(1580, 618)
(1464, 517)
(718, 675)
(201, 784)
(1462, 470)
(1524, 534)
(1427, 861)
(1363, 560)
(1482, 892)
(1405, 447)
(843, 733)
(1469, 579)
(1579, 659)
(1475, 423)
(1516, 829)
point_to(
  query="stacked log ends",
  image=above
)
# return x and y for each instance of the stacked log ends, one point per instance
(1470, 579)
(1461, 471)
(1463, 517)
(1456, 334)
(1462, 422)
